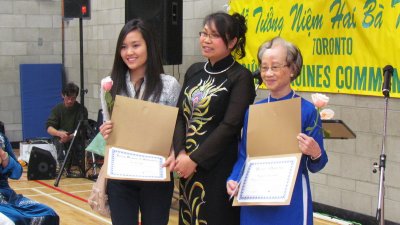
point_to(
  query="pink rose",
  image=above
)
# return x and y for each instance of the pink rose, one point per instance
(327, 114)
(320, 100)
(107, 101)
(107, 83)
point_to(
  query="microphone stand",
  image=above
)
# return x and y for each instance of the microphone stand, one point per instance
(67, 155)
(382, 165)
(380, 212)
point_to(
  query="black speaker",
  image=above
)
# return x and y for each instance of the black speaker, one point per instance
(76, 9)
(165, 16)
(42, 165)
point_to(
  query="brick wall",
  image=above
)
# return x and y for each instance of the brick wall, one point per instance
(30, 32)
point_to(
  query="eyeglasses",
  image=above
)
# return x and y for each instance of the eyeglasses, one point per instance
(274, 69)
(211, 36)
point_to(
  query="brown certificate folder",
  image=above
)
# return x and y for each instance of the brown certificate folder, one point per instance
(142, 126)
(273, 128)
(272, 132)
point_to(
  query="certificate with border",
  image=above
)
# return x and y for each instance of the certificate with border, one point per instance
(268, 180)
(273, 154)
(124, 164)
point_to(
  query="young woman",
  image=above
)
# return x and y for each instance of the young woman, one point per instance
(280, 63)
(212, 104)
(138, 73)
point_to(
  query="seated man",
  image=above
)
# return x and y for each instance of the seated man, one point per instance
(15, 208)
(61, 124)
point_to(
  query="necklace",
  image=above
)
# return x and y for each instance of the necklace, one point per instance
(213, 73)
(269, 95)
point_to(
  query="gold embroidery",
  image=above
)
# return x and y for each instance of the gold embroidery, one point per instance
(195, 108)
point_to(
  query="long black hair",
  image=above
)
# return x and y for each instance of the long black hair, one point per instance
(230, 27)
(154, 65)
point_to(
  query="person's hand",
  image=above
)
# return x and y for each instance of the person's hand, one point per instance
(3, 158)
(70, 136)
(170, 162)
(184, 166)
(64, 136)
(232, 187)
(309, 146)
(106, 129)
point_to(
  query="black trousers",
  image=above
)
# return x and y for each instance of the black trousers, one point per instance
(126, 198)
(77, 154)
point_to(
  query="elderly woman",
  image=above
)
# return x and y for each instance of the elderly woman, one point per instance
(15, 208)
(280, 63)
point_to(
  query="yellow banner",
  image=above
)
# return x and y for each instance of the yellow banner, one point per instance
(345, 43)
